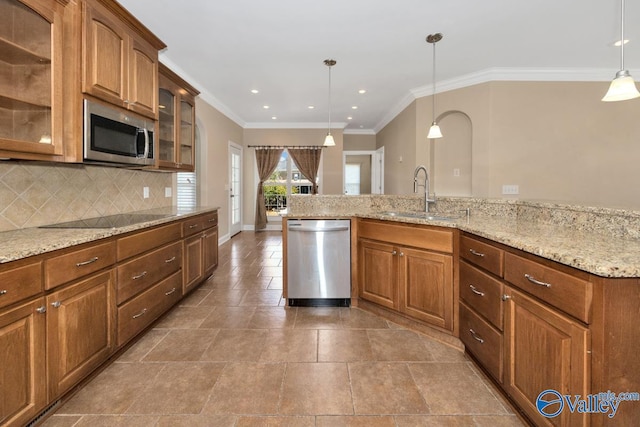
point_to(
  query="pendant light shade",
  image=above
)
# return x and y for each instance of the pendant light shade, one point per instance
(622, 87)
(434, 130)
(328, 140)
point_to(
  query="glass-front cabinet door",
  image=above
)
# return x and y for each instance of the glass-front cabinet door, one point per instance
(30, 79)
(187, 133)
(167, 121)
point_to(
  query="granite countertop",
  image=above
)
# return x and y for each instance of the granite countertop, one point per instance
(593, 252)
(26, 242)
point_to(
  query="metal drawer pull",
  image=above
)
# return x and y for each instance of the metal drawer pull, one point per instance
(401, 253)
(194, 225)
(41, 310)
(91, 261)
(394, 252)
(142, 313)
(170, 292)
(476, 253)
(56, 304)
(506, 297)
(3, 292)
(537, 282)
(475, 336)
(476, 291)
(212, 220)
(139, 276)
(170, 260)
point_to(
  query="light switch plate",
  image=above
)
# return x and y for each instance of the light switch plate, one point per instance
(167, 191)
(145, 192)
(510, 189)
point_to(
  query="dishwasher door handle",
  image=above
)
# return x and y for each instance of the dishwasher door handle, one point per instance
(294, 227)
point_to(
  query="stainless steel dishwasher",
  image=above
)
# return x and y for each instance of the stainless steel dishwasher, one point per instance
(319, 262)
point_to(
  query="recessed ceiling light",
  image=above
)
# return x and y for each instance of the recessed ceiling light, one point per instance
(266, 107)
(361, 91)
(311, 107)
(618, 42)
(349, 118)
(273, 117)
(255, 91)
(355, 107)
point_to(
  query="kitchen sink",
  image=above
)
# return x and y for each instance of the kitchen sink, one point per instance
(420, 215)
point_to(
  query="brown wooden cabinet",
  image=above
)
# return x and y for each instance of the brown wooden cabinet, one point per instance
(200, 249)
(120, 58)
(80, 330)
(176, 121)
(409, 269)
(23, 380)
(31, 101)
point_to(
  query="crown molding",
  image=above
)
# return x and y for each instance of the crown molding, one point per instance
(358, 132)
(276, 125)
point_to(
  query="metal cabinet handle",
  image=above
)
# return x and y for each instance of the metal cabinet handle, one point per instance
(139, 276)
(536, 282)
(167, 261)
(394, 252)
(41, 310)
(170, 292)
(142, 313)
(213, 220)
(476, 336)
(91, 261)
(194, 226)
(3, 292)
(56, 304)
(401, 254)
(476, 253)
(506, 297)
(476, 291)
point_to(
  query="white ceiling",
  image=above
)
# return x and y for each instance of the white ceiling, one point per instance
(225, 48)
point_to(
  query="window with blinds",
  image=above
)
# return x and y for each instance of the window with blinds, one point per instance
(186, 193)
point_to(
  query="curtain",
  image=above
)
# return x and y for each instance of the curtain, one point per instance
(308, 160)
(267, 160)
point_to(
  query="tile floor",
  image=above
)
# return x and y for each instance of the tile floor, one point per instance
(230, 354)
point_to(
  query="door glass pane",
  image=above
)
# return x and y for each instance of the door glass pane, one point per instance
(25, 70)
(186, 133)
(352, 179)
(166, 122)
(275, 188)
(235, 188)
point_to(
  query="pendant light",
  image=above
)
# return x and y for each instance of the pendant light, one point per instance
(434, 130)
(328, 140)
(622, 86)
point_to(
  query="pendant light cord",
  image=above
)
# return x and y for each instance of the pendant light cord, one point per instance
(329, 98)
(433, 100)
(621, 34)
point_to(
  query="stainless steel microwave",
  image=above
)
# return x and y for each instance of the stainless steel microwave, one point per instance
(113, 136)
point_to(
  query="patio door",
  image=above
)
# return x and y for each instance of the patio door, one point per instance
(235, 189)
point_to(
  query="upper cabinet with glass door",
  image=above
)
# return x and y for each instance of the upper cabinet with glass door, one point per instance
(31, 79)
(177, 114)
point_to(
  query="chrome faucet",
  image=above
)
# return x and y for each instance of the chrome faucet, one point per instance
(425, 184)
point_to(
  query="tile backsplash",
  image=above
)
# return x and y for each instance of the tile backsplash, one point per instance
(35, 193)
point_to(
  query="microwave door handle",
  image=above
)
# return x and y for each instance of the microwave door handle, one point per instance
(146, 143)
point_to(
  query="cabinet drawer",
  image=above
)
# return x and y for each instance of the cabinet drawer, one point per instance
(199, 223)
(72, 265)
(138, 313)
(140, 273)
(424, 237)
(20, 283)
(481, 340)
(561, 290)
(146, 240)
(482, 254)
(482, 292)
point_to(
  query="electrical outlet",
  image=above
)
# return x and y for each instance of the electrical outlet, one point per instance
(145, 192)
(510, 189)
(456, 172)
(167, 191)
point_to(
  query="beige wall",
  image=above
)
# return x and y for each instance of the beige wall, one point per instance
(216, 131)
(331, 160)
(356, 142)
(555, 140)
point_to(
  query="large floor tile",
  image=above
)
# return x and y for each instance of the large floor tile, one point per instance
(385, 389)
(185, 317)
(247, 388)
(182, 345)
(224, 297)
(318, 318)
(228, 317)
(117, 421)
(343, 345)
(262, 298)
(180, 388)
(316, 388)
(293, 345)
(276, 421)
(398, 345)
(355, 421)
(454, 389)
(359, 319)
(144, 345)
(273, 318)
(235, 345)
(197, 421)
(458, 421)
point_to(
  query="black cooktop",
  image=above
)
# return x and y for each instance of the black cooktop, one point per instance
(111, 221)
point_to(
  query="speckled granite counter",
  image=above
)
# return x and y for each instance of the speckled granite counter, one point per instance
(604, 242)
(18, 244)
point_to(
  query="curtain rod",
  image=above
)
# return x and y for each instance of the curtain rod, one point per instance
(262, 147)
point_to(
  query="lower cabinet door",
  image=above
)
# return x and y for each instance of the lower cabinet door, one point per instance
(425, 281)
(23, 382)
(193, 262)
(210, 248)
(376, 273)
(545, 351)
(79, 330)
